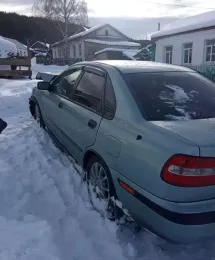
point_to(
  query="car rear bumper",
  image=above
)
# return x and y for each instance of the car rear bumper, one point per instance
(177, 222)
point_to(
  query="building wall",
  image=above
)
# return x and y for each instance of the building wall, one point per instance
(58, 51)
(198, 52)
(79, 46)
(22, 52)
(111, 32)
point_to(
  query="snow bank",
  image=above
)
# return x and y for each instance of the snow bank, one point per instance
(7, 48)
(25, 240)
(187, 24)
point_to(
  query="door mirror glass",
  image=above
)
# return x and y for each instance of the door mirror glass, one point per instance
(42, 85)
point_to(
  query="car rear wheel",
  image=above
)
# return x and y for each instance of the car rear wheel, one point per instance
(100, 187)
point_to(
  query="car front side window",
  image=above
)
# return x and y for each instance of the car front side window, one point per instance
(90, 91)
(64, 85)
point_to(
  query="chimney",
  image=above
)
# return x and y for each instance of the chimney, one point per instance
(159, 26)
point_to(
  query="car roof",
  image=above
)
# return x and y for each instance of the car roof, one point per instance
(126, 66)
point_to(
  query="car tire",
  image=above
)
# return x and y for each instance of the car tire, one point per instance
(101, 193)
(38, 116)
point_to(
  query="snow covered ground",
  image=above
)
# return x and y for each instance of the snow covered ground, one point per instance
(45, 213)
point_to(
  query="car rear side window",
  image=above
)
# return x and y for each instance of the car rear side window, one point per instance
(90, 91)
(172, 95)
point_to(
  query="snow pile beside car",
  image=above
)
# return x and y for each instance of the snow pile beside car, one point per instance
(7, 49)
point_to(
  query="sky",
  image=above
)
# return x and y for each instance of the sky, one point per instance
(137, 18)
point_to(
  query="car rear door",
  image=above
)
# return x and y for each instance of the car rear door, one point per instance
(53, 100)
(82, 114)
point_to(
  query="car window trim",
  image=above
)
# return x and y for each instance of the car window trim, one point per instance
(103, 94)
(104, 116)
(95, 70)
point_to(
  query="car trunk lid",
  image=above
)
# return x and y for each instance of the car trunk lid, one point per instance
(201, 132)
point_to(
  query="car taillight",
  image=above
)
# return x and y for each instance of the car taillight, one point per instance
(189, 171)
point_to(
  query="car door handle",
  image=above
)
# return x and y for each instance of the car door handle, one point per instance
(60, 104)
(92, 124)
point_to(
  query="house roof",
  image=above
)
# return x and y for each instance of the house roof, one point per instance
(128, 53)
(18, 44)
(187, 24)
(120, 43)
(77, 35)
(88, 31)
(42, 43)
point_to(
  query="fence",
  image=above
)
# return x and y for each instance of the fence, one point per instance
(206, 70)
(16, 65)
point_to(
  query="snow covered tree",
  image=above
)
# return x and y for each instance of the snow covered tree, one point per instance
(62, 13)
(147, 53)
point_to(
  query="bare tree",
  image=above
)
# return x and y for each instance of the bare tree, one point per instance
(62, 13)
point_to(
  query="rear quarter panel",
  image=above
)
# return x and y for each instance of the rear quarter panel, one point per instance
(141, 161)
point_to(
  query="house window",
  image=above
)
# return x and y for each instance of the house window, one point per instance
(80, 52)
(188, 47)
(74, 51)
(106, 32)
(168, 54)
(210, 50)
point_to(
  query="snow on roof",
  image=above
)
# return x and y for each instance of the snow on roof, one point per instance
(42, 43)
(128, 53)
(6, 47)
(119, 43)
(187, 24)
(18, 44)
(87, 31)
(131, 53)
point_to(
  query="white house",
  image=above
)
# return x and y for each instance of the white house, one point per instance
(189, 41)
(84, 45)
(21, 48)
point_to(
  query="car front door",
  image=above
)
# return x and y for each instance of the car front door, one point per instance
(83, 113)
(53, 100)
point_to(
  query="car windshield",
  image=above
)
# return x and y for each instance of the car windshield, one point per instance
(172, 95)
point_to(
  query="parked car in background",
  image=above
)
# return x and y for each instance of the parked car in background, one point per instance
(144, 133)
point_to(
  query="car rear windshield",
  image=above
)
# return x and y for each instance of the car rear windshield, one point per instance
(172, 95)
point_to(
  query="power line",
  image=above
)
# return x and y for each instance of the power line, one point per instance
(180, 5)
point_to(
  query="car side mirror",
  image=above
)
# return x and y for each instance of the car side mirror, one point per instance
(42, 85)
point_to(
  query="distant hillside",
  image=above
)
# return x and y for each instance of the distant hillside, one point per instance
(21, 27)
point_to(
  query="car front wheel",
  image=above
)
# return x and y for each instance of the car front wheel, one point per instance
(38, 115)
